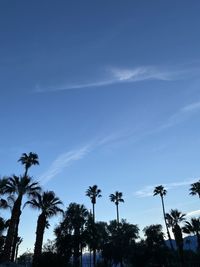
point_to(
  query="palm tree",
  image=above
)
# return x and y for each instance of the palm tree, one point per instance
(48, 203)
(174, 218)
(154, 236)
(195, 189)
(76, 217)
(93, 192)
(28, 160)
(18, 187)
(160, 190)
(193, 227)
(117, 198)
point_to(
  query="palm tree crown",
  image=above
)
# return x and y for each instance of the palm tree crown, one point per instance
(193, 227)
(175, 217)
(21, 185)
(195, 189)
(28, 160)
(47, 203)
(160, 190)
(93, 192)
(116, 197)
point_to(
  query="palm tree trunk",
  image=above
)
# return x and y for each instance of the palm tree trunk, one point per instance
(168, 233)
(81, 255)
(12, 230)
(26, 171)
(93, 212)
(41, 222)
(179, 242)
(16, 252)
(90, 257)
(117, 206)
(76, 248)
(15, 241)
(94, 257)
(94, 250)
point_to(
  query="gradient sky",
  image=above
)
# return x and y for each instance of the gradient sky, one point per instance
(106, 93)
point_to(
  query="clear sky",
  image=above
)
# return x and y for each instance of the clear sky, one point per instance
(106, 93)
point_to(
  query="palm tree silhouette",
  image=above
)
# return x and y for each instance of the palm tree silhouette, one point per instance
(75, 218)
(18, 187)
(193, 227)
(160, 190)
(195, 189)
(93, 192)
(174, 218)
(48, 203)
(117, 198)
(28, 160)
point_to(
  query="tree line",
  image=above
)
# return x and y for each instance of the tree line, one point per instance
(107, 244)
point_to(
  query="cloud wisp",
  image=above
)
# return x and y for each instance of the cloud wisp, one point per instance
(66, 159)
(183, 114)
(193, 213)
(147, 191)
(119, 75)
(63, 161)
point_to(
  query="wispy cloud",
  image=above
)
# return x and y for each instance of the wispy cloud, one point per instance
(147, 191)
(141, 74)
(193, 213)
(66, 159)
(63, 161)
(183, 114)
(119, 75)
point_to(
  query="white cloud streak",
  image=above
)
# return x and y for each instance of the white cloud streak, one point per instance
(193, 213)
(183, 114)
(119, 75)
(66, 159)
(147, 191)
(63, 161)
(141, 74)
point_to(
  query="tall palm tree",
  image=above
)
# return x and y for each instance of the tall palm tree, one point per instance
(193, 227)
(28, 160)
(18, 187)
(48, 203)
(93, 192)
(117, 198)
(160, 190)
(174, 218)
(195, 189)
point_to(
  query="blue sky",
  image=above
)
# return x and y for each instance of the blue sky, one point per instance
(107, 93)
